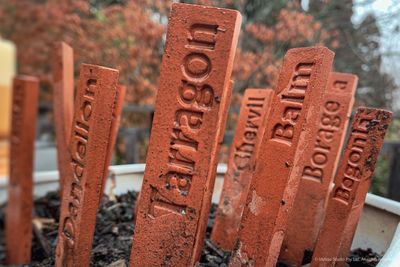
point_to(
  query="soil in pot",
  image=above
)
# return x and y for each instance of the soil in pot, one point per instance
(114, 232)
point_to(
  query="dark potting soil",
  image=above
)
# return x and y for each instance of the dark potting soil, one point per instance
(114, 233)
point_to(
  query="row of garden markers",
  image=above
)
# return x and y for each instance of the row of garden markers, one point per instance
(277, 200)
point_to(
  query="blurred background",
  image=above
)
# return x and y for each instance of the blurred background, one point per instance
(129, 35)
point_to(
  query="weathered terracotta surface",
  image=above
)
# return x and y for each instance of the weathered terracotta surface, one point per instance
(352, 181)
(319, 169)
(224, 110)
(294, 113)
(63, 103)
(119, 104)
(248, 134)
(187, 129)
(89, 143)
(20, 199)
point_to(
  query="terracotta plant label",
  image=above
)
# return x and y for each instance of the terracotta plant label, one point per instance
(18, 227)
(119, 104)
(319, 169)
(294, 115)
(224, 109)
(248, 133)
(89, 143)
(352, 181)
(187, 129)
(63, 86)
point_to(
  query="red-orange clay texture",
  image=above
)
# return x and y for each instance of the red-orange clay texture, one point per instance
(119, 104)
(190, 111)
(248, 133)
(318, 172)
(215, 157)
(63, 104)
(289, 133)
(89, 144)
(18, 225)
(346, 199)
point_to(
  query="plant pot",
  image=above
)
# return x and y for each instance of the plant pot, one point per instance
(378, 229)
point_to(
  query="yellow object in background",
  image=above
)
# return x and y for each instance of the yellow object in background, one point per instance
(3, 158)
(7, 72)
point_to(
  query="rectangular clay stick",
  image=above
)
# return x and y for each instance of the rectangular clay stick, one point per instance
(352, 181)
(187, 129)
(246, 141)
(294, 114)
(90, 136)
(319, 170)
(18, 228)
(63, 107)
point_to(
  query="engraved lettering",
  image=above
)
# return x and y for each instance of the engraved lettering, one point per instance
(199, 97)
(196, 66)
(160, 205)
(327, 129)
(284, 131)
(340, 85)
(353, 169)
(202, 36)
(79, 140)
(244, 151)
(292, 98)
(195, 97)
(312, 173)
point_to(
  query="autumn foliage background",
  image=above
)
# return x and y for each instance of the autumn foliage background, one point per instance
(129, 35)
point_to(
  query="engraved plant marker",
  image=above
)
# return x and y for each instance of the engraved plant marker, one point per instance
(225, 107)
(89, 144)
(63, 78)
(352, 181)
(63, 81)
(248, 134)
(319, 170)
(187, 128)
(294, 112)
(18, 227)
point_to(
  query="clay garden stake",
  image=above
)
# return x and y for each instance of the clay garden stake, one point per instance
(89, 143)
(224, 109)
(63, 81)
(187, 129)
(319, 170)
(291, 124)
(18, 225)
(119, 104)
(249, 130)
(352, 181)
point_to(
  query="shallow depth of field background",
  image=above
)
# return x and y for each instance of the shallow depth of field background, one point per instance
(129, 35)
